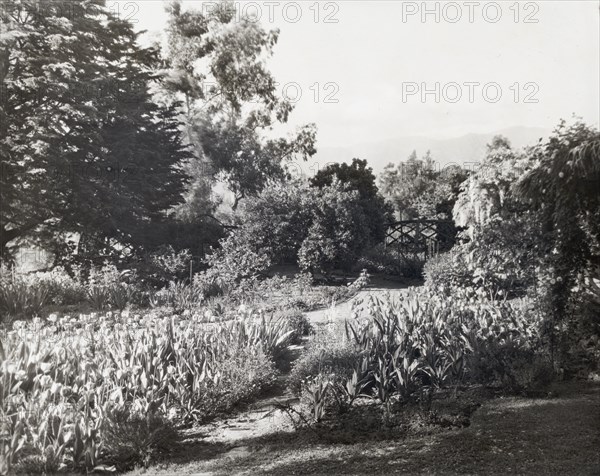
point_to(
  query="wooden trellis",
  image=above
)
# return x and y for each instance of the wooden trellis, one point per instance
(419, 236)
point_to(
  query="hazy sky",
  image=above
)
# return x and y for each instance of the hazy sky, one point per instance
(374, 62)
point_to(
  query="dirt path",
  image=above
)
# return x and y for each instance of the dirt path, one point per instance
(263, 418)
(558, 435)
(516, 435)
(343, 310)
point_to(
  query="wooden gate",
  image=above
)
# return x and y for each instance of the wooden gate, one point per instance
(420, 237)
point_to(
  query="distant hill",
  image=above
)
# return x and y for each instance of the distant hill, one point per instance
(466, 149)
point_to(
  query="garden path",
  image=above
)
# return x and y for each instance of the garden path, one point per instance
(265, 417)
(341, 311)
(537, 436)
(514, 435)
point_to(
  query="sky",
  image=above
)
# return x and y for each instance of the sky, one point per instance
(368, 71)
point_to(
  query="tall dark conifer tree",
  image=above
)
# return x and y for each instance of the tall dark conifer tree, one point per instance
(84, 148)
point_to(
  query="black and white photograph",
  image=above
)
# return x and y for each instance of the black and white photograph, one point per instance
(304, 237)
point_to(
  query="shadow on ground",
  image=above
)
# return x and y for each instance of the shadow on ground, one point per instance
(516, 435)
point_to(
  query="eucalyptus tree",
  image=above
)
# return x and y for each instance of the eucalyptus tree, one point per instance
(216, 65)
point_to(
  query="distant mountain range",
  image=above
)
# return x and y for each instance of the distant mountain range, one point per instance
(467, 149)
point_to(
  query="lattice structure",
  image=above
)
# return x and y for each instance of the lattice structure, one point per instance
(420, 237)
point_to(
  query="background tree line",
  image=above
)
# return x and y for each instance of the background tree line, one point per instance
(121, 145)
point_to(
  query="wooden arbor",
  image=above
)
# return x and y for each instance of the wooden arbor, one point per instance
(420, 237)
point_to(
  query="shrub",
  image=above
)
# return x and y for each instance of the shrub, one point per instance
(237, 259)
(179, 296)
(503, 254)
(321, 229)
(297, 322)
(166, 265)
(447, 271)
(120, 295)
(208, 284)
(512, 366)
(63, 289)
(328, 356)
(338, 233)
(357, 176)
(277, 220)
(109, 288)
(132, 438)
(501, 257)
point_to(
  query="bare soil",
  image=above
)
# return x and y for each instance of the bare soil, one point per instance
(556, 435)
(476, 432)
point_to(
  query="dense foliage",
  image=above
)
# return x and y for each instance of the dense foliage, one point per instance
(514, 304)
(425, 340)
(358, 176)
(417, 188)
(503, 243)
(84, 148)
(320, 229)
(111, 155)
(563, 188)
(531, 229)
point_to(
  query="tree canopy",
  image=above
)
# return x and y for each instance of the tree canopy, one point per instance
(359, 177)
(416, 189)
(84, 147)
(216, 63)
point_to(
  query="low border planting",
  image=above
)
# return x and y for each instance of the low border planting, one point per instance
(69, 386)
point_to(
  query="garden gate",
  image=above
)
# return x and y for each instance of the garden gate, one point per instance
(420, 237)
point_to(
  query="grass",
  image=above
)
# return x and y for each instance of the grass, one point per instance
(516, 435)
